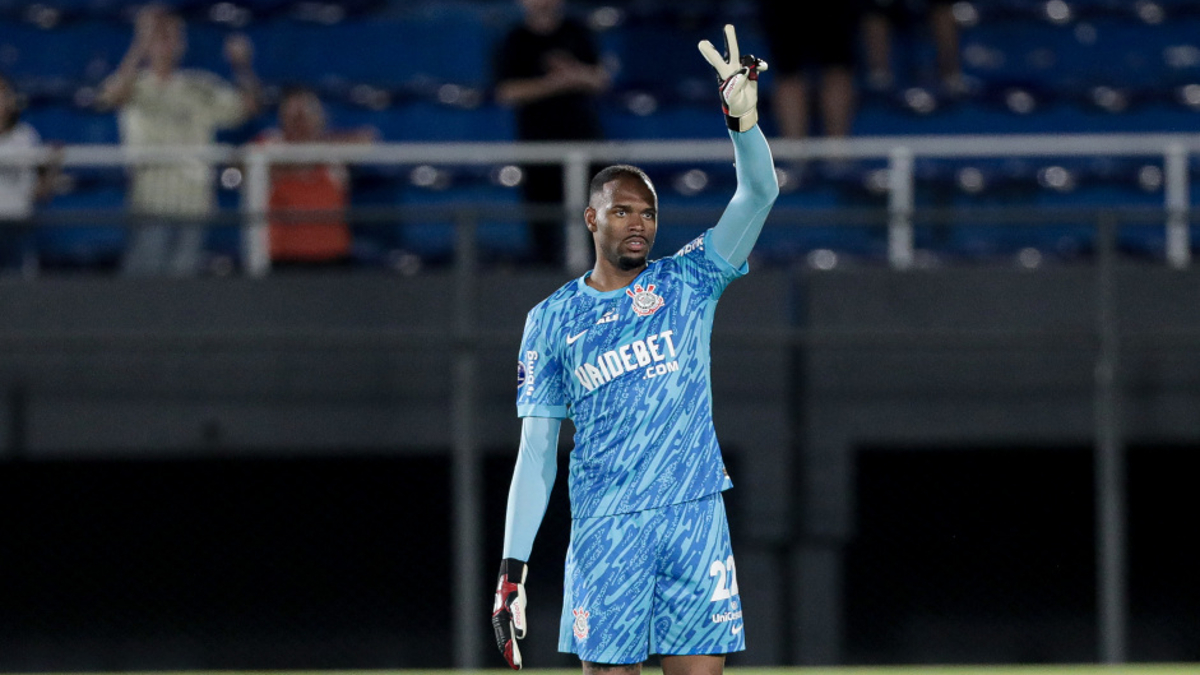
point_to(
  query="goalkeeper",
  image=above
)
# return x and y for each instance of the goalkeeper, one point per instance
(624, 352)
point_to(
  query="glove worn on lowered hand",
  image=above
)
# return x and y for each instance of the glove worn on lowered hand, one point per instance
(738, 76)
(508, 613)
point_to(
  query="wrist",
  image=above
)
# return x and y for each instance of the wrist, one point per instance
(742, 123)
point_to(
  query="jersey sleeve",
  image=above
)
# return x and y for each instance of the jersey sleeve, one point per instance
(704, 269)
(223, 102)
(540, 390)
(532, 482)
(757, 187)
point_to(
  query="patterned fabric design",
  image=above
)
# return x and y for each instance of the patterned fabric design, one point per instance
(654, 582)
(631, 368)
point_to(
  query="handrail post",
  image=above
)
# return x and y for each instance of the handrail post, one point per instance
(575, 182)
(1109, 472)
(256, 192)
(467, 470)
(900, 207)
(1178, 235)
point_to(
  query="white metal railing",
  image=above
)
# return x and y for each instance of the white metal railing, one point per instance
(575, 157)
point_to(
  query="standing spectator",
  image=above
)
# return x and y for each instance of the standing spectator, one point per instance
(161, 104)
(884, 17)
(548, 68)
(20, 187)
(812, 54)
(307, 204)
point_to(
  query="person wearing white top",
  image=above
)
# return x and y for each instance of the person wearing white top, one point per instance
(21, 187)
(160, 104)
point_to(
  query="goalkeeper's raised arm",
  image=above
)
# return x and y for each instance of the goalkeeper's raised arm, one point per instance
(737, 75)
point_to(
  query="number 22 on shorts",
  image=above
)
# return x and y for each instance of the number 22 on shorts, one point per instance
(726, 579)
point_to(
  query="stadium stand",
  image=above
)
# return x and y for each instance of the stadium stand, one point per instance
(1031, 67)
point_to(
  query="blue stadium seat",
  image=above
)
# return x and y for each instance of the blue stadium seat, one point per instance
(68, 124)
(682, 121)
(428, 121)
(80, 244)
(433, 238)
(385, 51)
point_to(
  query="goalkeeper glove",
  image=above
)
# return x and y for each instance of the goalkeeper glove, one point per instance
(508, 614)
(738, 76)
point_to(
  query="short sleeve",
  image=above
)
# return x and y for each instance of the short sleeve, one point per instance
(540, 390)
(704, 269)
(222, 102)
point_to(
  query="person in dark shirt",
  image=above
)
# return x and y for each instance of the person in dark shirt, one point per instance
(813, 57)
(548, 69)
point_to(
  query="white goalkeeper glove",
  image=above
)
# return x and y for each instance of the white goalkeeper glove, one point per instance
(738, 76)
(508, 613)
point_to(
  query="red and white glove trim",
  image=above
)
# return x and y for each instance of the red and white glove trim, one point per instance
(508, 611)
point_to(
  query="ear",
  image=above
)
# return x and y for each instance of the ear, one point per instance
(589, 217)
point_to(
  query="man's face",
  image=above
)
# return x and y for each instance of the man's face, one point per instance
(168, 40)
(301, 118)
(540, 7)
(623, 220)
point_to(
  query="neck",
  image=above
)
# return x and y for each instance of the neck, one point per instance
(543, 22)
(162, 69)
(609, 278)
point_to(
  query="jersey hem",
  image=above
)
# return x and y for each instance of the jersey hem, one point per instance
(539, 410)
(725, 486)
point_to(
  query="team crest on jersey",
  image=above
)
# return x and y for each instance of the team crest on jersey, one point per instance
(645, 300)
(580, 627)
(520, 374)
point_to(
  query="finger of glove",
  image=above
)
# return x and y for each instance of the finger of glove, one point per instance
(502, 627)
(731, 45)
(724, 69)
(512, 654)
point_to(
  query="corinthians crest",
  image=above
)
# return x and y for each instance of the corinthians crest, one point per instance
(645, 300)
(580, 627)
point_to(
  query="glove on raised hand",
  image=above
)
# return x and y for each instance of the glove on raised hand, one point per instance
(508, 613)
(738, 76)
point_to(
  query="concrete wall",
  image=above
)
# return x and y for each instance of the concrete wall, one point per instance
(808, 368)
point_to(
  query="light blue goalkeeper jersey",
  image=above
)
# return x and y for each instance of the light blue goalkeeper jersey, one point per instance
(630, 368)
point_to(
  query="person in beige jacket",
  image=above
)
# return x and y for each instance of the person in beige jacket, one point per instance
(159, 103)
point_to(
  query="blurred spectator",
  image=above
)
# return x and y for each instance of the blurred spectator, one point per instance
(883, 17)
(812, 51)
(548, 67)
(307, 205)
(20, 187)
(161, 104)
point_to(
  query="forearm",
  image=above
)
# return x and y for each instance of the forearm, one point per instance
(533, 479)
(586, 79)
(118, 87)
(520, 92)
(757, 187)
(46, 184)
(250, 88)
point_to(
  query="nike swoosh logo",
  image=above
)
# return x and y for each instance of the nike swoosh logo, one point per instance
(737, 629)
(572, 338)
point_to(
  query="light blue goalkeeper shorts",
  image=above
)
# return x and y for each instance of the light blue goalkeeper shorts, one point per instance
(661, 581)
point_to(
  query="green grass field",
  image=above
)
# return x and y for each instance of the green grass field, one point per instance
(1150, 669)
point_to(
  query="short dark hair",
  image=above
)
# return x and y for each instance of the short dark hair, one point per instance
(294, 89)
(615, 171)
